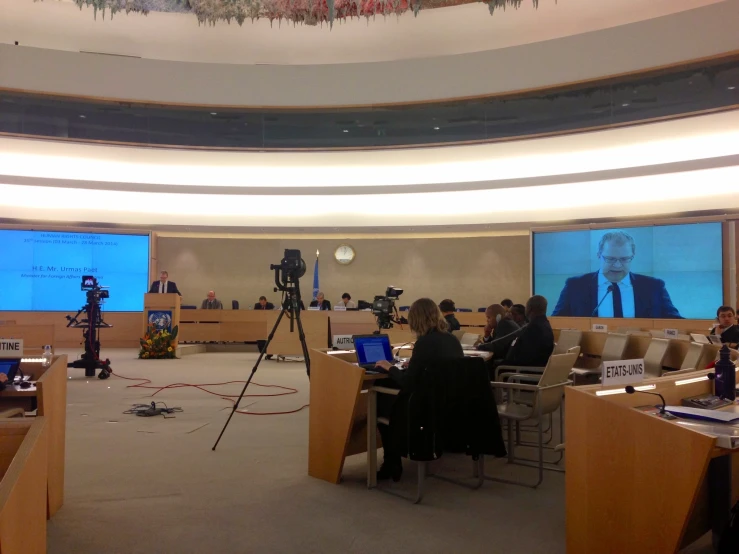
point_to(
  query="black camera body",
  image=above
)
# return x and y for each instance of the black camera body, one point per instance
(291, 268)
(384, 306)
(95, 292)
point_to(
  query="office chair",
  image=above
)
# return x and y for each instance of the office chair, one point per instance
(654, 356)
(613, 349)
(464, 309)
(483, 310)
(568, 338)
(234, 304)
(696, 358)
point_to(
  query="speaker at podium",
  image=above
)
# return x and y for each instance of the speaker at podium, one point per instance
(162, 311)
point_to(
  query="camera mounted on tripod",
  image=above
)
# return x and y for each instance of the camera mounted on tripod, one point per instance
(91, 324)
(291, 268)
(383, 308)
(95, 292)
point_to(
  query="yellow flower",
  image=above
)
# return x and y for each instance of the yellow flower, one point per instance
(146, 355)
(148, 341)
(169, 349)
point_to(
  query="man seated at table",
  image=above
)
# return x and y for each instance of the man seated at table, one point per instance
(536, 342)
(727, 328)
(346, 301)
(263, 304)
(320, 302)
(500, 332)
(507, 303)
(448, 308)
(211, 303)
(518, 314)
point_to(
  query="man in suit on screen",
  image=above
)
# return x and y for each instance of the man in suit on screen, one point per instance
(164, 285)
(619, 292)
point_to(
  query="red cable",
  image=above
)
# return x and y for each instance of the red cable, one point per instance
(289, 390)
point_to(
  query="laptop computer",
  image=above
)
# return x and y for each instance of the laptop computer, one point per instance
(702, 339)
(371, 349)
(10, 367)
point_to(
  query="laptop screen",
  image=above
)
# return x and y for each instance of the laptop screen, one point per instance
(372, 348)
(9, 368)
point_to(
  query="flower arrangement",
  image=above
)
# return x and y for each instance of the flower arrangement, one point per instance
(158, 343)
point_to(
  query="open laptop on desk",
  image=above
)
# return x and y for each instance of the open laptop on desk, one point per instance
(371, 349)
(9, 366)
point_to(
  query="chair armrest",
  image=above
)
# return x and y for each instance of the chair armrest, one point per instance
(516, 369)
(515, 377)
(385, 390)
(514, 386)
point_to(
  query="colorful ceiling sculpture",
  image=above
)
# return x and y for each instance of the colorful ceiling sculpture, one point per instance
(306, 12)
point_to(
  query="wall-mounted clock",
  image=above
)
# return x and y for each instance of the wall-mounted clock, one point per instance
(345, 254)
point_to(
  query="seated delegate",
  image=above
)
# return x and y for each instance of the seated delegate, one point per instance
(433, 343)
(320, 302)
(346, 301)
(211, 303)
(448, 308)
(536, 342)
(263, 304)
(500, 332)
(726, 328)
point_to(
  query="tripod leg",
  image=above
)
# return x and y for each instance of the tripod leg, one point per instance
(253, 371)
(301, 336)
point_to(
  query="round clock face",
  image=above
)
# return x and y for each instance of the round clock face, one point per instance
(344, 254)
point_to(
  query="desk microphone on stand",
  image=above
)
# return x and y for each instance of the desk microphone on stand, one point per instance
(609, 290)
(631, 390)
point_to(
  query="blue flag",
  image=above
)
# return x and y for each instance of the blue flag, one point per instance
(315, 280)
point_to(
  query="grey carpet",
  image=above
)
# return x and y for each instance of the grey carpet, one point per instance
(150, 485)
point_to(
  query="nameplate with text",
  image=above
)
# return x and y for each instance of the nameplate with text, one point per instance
(339, 308)
(11, 348)
(671, 333)
(622, 372)
(343, 342)
(600, 328)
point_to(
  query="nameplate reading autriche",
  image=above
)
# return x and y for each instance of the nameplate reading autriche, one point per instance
(600, 328)
(345, 342)
(622, 372)
(11, 348)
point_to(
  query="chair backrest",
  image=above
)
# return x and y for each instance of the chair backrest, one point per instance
(568, 338)
(464, 309)
(557, 371)
(459, 334)
(404, 308)
(657, 333)
(639, 333)
(693, 357)
(654, 356)
(614, 347)
(234, 304)
(482, 310)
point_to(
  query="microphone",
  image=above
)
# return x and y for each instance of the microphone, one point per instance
(516, 332)
(631, 390)
(608, 291)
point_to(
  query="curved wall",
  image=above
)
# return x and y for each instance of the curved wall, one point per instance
(701, 32)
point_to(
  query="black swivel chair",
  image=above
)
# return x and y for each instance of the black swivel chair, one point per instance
(234, 304)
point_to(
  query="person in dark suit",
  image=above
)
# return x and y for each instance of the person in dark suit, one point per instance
(726, 328)
(263, 304)
(536, 342)
(433, 343)
(320, 302)
(518, 314)
(448, 308)
(631, 294)
(164, 285)
(500, 332)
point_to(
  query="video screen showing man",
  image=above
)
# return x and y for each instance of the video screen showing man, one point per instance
(613, 290)
(211, 302)
(164, 285)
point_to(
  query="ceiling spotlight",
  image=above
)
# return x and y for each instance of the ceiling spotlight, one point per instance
(83, 117)
(731, 88)
(436, 128)
(624, 105)
(346, 130)
(213, 113)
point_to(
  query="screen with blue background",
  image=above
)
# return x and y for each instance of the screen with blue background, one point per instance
(42, 270)
(688, 258)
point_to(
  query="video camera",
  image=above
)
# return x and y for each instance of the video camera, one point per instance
(291, 268)
(95, 292)
(384, 306)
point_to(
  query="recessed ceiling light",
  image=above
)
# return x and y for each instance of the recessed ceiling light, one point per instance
(346, 130)
(731, 88)
(83, 116)
(213, 113)
(436, 128)
(625, 104)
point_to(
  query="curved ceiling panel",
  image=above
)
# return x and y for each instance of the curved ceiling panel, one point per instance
(663, 168)
(453, 30)
(346, 67)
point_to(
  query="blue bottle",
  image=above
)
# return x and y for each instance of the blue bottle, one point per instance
(725, 375)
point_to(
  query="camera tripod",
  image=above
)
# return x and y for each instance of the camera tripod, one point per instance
(290, 306)
(91, 324)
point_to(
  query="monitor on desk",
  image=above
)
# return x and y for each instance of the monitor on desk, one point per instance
(372, 348)
(10, 368)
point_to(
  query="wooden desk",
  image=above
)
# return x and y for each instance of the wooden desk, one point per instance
(635, 483)
(337, 425)
(315, 327)
(226, 325)
(23, 496)
(471, 319)
(352, 323)
(50, 401)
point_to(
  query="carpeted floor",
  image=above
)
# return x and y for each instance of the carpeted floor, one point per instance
(153, 485)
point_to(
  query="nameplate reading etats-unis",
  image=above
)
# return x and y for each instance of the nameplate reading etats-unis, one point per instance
(622, 372)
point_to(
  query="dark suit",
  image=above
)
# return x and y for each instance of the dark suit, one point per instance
(453, 323)
(268, 306)
(430, 348)
(534, 345)
(579, 297)
(171, 287)
(326, 305)
(730, 334)
(498, 347)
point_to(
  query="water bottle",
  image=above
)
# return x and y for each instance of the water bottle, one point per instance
(47, 356)
(725, 375)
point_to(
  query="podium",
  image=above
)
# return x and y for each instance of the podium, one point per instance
(161, 310)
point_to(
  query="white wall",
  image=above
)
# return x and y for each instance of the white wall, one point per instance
(687, 35)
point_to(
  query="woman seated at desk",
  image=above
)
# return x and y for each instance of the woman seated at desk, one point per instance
(433, 343)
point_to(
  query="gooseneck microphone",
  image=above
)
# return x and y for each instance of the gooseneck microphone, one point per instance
(609, 290)
(631, 390)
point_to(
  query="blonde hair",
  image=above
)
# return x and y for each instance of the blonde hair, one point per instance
(425, 316)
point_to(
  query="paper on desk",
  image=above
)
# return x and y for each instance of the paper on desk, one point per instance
(700, 413)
